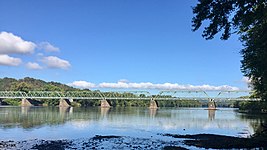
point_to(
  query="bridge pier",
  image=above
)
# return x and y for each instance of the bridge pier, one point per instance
(211, 104)
(64, 103)
(104, 104)
(26, 103)
(153, 104)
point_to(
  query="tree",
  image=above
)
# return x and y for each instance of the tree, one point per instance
(22, 86)
(248, 19)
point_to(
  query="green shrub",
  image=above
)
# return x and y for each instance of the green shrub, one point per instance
(13, 102)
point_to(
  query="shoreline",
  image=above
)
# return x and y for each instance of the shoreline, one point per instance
(182, 142)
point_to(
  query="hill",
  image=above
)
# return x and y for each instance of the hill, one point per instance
(29, 84)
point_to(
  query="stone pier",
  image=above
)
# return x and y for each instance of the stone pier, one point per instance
(64, 103)
(26, 103)
(153, 104)
(211, 104)
(104, 104)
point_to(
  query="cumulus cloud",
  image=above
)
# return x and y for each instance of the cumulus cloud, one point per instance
(55, 62)
(148, 85)
(12, 44)
(246, 80)
(33, 66)
(6, 60)
(48, 47)
(82, 84)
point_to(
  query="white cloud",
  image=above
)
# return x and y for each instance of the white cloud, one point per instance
(6, 60)
(33, 66)
(12, 44)
(124, 81)
(246, 80)
(48, 47)
(148, 85)
(55, 62)
(82, 84)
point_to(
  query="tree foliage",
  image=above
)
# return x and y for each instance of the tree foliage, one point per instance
(31, 84)
(248, 18)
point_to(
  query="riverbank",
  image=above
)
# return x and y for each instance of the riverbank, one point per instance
(122, 142)
(221, 141)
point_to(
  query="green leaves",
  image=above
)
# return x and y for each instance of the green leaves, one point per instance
(248, 18)
(227, 15)
(217, 13)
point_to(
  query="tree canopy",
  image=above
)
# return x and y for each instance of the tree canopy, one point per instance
(247, 18)
(30, 84)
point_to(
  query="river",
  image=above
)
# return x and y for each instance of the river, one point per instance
(51, 123)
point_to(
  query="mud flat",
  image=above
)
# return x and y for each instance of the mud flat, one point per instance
(220, 141)
(179, 142)
(97, 142)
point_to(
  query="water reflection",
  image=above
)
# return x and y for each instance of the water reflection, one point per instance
(25, 110)
(104, 112)
(153, 112)
(211, 114)
(123, 120)
(65, 110)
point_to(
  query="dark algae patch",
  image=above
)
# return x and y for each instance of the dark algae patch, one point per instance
(52, 145)
(100, 137)
(174, 148)
(221, 141)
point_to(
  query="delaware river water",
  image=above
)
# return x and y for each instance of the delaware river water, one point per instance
(54, 123)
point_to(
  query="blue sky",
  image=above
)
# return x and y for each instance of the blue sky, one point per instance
(114, 43)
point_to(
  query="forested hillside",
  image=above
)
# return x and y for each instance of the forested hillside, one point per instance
(30, 84)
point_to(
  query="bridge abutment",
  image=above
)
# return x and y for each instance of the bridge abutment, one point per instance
(26, 103)
(64, 103)
(211, 104)
(153, 104)
(104, 104)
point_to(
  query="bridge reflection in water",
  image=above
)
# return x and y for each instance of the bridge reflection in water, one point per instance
(161, 119)
(65, 122)
(211, 114)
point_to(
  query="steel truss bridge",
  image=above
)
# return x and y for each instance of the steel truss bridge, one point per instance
(130, 95)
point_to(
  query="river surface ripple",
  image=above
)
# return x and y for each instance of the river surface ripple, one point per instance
(54, 123)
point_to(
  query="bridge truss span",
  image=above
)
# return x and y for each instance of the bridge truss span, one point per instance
(129, 95)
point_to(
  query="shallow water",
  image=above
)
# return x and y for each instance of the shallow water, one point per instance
(25, 123)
